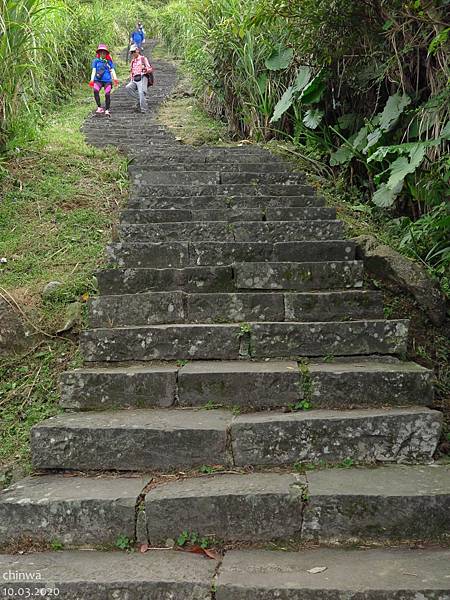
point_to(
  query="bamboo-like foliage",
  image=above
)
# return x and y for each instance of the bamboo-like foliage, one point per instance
(45, 47)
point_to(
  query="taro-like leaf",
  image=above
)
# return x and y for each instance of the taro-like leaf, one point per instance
(313, 92)
(282, 105)
(385, 196)
(342, 155)
(312, 118)
(393, 109)
(280, 59)
(347, 121)
(401, 167)
(302, 79)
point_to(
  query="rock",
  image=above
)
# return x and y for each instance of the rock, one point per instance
(51, 287)
(386, 264)
(74, 316)
(15, 334)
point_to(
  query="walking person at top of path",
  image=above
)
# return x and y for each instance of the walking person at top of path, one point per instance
(103, 75)
(140, 71)
(137, 36)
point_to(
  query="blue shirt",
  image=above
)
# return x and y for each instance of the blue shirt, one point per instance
(137, 36)
(98, 63)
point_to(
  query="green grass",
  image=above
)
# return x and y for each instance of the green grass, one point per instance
(59, 202)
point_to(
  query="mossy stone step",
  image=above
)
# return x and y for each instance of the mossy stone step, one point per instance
(161, 439)
(249, 385)
(139, 201)
(231, 214)
(242, 231)
(184, 254)
(234, 341)
(151, 308)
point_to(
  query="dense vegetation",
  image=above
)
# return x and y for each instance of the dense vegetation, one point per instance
(359, 87)
(45, 48)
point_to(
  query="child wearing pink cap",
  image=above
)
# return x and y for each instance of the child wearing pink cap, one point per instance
(102, 76)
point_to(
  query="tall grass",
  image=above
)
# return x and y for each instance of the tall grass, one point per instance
(45, 47)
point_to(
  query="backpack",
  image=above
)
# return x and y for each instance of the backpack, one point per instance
(101, 68)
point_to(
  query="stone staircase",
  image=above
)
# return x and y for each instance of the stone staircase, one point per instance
(232, 299)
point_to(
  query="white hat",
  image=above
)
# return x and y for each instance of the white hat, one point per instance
(133, 48)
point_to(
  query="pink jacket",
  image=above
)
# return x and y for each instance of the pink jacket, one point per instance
(140, 66)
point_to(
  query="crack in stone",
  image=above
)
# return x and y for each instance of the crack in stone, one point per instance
(139, 509)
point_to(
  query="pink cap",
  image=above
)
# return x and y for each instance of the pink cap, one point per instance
(102, 47)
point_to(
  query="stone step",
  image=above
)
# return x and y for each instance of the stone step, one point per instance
(101, 575)
(230, 190)
(139, 201)
(148, 178)
(244, 276)
(141, 216)
(148, 166)
(72, 510)
(383, 574)
(298, 275)
(234, 341)
(246, 231)
(215, 154)
(184, 254)
(151, 308)
(248, 384)
(161, 439)
(384, 503)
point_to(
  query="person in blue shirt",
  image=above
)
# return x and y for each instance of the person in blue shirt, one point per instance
(137, 36)
(103, 75)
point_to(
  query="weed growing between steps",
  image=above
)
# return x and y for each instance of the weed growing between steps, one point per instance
(58, 206)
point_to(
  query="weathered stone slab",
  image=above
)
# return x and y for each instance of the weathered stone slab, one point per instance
(334, 306)
(274, 340)
(234, 308)
(194, 165)
(244, 384)
(158, 255)
(216, 506)
(155, 215)
(380, 574)
(87, 575)
(226, 253)
(233, 190)
(278, 231)
(229, 214)
(326, 213)
(373, 435)
(313, 251)
(172, 232)
(176, 178)
(141, 200)
(299, 276)
(369, 383)
(15, 334)
(189, 279)
(387, 503)
(131, 440)
(72, 510)
(260, 177)
(119, 387)
(137, 309)
(164, 342)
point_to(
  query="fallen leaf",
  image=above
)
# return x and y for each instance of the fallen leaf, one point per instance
(315, 570)
(85, 297)
(144, 548)
(212, 554)
(195, 549)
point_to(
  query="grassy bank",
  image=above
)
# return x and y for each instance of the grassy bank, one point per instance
(60, 200)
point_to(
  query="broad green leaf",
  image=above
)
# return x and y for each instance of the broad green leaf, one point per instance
(385, 196)
(280, 59)
(313, 92)
(342, 155)
(406, 148)
(262, 81)
(439, 40)
(302, 79)
(361, 138)
(372, 139)
(401, 167)
(282, 105)
(347, 121)
(393, 109)
(312, 118)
